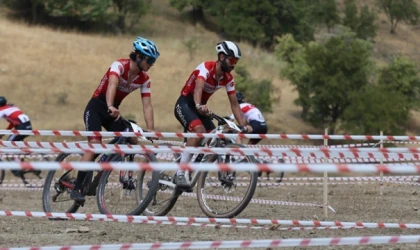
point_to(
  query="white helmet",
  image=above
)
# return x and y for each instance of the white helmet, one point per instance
(229, 48)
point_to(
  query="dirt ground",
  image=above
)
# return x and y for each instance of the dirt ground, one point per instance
(356, 202)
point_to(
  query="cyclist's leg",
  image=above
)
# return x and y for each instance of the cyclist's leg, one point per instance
(186, 113)
(94, 116)
(257, 128)
(23, 126)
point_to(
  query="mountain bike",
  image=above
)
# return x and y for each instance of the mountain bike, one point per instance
(116, 191)
(217, 192)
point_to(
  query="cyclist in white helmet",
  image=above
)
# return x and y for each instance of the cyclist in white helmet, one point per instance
(191, 109)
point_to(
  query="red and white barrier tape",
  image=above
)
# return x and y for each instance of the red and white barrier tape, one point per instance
(363, 240)
(402, 153)
(316, 168)
(402, 142)
(33, 185)
(180, 149)
(299, 160)
(19, 189)
(270, 159)
(218, 226)
(234, 221)
(208, 135)
(285, 179)
(362, 178)
(38, 187)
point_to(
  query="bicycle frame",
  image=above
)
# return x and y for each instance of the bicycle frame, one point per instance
(126, 177)
(211, 142)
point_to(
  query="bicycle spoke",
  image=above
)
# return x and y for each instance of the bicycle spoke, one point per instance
(226, 194)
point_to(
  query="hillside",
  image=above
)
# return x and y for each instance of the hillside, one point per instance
(51, 74)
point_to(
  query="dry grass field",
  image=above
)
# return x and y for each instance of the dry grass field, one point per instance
(51, 74)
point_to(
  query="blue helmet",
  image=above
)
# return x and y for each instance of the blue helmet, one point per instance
(3, 101)
(146, 47)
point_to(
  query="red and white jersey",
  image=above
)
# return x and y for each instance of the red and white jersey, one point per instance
(207, 72)
(13, 115)
(121, 68)
(250, 112)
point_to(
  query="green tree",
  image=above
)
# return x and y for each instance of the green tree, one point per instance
(197, 6)
(332, 70)
(81, 13)
(367, 27)
(374, 109)
(362, 24)
(128, 12)
(258, 21)
(351, 18)
(327, 13)
(249, 20)
(259, 93)
(93, 10)
(296, 70)
(401, 75)
(397, 11)
(296, 17)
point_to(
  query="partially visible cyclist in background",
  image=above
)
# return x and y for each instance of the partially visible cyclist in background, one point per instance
(254, 118)
(122, 77)
(16, 118)
(256, 125)
(18, 121)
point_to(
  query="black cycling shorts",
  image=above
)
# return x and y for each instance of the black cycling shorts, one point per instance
(187, 114)
(22, 126)
(96, 116)
(257, 128)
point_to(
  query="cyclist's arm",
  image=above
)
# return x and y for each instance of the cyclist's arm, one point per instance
(112, 89)
(148, 112)
(10, 126)
(198, 90)
(236, 109)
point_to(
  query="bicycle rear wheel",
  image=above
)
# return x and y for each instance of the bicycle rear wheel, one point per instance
(57, 188)
(226, 194)
(115, 196)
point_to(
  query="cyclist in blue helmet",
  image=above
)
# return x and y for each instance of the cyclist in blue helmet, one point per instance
(122, 77)
(144, 50)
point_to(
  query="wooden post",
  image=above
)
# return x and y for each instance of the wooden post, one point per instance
(381, 174)
(325, 180)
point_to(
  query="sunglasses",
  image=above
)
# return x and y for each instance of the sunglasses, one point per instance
(149, 60)
(233, 61)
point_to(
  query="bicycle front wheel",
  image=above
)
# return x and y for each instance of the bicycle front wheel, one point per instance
(118, 191)
(226, 194)
(167, 194)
